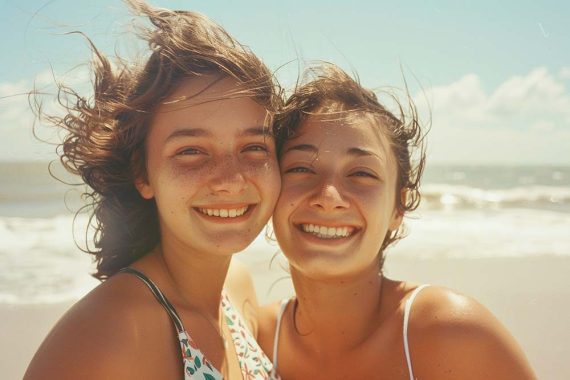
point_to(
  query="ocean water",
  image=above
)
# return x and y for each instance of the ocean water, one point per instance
(466, 211)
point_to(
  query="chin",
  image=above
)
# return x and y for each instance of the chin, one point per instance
(322, 272)
(333, 269)
(229, 247)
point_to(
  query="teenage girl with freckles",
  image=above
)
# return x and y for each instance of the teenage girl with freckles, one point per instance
(180, 158)
(348, 179)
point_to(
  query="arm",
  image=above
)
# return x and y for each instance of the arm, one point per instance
(117, 331)
(85, 344)
(455, 337)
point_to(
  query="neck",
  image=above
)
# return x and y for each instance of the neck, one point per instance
(195, 279)
(336, 315)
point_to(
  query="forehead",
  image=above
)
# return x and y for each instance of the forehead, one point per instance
(341, 131)
(199, 90)
(207, 103)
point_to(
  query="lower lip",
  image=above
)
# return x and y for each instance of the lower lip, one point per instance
(228, 220)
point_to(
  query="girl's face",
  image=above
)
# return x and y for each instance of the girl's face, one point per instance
(337, 197)
(211, 167)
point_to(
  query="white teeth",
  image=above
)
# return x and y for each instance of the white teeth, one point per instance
(327, 232)
(224, 213)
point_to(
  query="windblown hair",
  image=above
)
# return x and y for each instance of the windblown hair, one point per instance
(327, 90)
(105, 135)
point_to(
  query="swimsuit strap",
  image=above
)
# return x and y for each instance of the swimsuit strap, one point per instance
(407, 310)
(159, 297)
(195, 364)
(282, 308)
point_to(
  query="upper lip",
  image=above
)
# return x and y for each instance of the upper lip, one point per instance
(334, 224)
(227, 206)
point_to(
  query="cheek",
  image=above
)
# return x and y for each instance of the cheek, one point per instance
(289, 200)
(266, 175)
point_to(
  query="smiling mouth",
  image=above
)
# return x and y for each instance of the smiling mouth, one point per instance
(325, 232)
(224, 212)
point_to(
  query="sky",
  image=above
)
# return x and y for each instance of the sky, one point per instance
(493, 78)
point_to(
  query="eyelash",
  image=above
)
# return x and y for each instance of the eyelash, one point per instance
(298, 169)
(188, 152)
(302, 169)
(256, 148)
(195, 151)
(364, 174)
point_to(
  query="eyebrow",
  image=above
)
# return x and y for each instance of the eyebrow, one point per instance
(257, 131)
(303, 148)
(201, 132)
(188, 132)
(359, 152)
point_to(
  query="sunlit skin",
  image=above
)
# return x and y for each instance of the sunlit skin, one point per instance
(207, 153)
(347, 319)
(337, 173)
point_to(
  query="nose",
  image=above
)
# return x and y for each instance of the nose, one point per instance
(228, 177)
(329, 198)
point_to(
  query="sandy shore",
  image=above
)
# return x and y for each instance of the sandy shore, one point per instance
(23, 327)
(531, 296)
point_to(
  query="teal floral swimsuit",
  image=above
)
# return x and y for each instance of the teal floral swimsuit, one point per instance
(253, 362)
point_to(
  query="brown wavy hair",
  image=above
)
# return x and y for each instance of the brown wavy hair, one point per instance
(326, 89)
(105, 134)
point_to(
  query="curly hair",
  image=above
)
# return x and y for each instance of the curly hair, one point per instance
(105, 135)
(327, 90)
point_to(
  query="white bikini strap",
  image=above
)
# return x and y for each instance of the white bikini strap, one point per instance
(407, 309)
(282, 308)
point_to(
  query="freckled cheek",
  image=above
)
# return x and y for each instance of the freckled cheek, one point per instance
(261, 168)
(266, 173)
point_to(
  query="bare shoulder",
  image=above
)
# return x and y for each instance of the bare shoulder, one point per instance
(241, 292)
(453, 336)
(95, 338)
(267, 325)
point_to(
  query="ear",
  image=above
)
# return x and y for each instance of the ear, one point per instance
(144, 188)
(397, 218)
(398, 215)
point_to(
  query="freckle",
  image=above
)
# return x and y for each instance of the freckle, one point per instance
(355, 294)
(291, 204)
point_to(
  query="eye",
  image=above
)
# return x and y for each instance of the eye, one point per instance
(364, 174)
(256, 148)
(299, 169)
(188, 152)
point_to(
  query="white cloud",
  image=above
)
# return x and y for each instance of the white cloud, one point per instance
(525, 119)
(17, 118)
(565, 73)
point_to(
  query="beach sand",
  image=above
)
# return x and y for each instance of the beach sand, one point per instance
(531, 296)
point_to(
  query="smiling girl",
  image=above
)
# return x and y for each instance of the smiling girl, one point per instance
(180, 158)
(348, 179)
